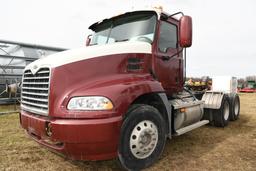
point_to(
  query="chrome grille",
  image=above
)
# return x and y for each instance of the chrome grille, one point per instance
(35, 91)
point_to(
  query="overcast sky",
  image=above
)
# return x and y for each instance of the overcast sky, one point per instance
(224, 38)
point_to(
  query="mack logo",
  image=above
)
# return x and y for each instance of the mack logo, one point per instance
(34, 69)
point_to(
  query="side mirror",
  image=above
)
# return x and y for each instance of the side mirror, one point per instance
(185, 31)
(88, 40)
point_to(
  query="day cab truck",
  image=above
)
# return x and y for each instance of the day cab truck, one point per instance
(122, 95)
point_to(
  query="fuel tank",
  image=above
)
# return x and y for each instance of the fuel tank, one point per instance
(187, 111)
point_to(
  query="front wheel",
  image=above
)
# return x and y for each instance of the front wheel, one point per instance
(143, 136)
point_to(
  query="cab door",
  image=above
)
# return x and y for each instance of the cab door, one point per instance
(168, 57)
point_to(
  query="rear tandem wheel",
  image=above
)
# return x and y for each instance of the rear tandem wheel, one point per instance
(234, 107)
(221, 115)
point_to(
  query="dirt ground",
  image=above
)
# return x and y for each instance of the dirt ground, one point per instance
(206, 148)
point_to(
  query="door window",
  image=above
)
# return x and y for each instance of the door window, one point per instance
(168, 37)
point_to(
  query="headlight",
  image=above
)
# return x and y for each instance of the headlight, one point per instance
(90, 103)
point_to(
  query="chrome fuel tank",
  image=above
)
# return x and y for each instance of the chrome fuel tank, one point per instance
(187, 112)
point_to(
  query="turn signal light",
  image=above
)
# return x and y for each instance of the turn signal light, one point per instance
(183, 110)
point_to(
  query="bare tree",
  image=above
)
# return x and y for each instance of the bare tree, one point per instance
(251, 78)
(241, 83)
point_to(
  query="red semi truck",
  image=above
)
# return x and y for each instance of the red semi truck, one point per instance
(122, 95)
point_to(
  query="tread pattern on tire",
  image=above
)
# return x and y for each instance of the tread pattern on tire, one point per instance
(233, 99)
(218, 114)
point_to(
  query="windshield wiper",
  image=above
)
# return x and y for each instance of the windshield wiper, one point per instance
(110, 29)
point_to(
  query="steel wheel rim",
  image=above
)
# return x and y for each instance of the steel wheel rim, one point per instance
(143, 139)
(236, 105)
(226, 110)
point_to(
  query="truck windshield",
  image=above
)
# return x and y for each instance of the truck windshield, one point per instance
(127, 27)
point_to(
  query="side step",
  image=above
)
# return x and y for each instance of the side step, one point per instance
(191, 127)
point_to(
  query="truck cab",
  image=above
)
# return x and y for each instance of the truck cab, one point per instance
(122, 95)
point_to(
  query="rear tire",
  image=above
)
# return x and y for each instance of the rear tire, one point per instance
(142, 138)
(234, 107)
(221, 115)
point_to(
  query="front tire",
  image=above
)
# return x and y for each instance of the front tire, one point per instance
(143, 136)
